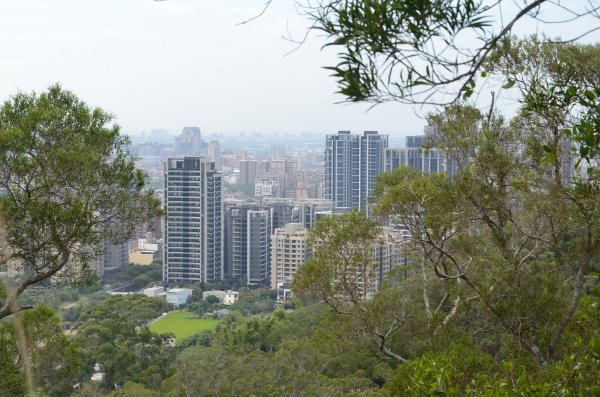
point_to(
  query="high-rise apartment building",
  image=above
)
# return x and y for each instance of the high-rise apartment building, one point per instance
(372, 158)
(193, 230)
(247, 242)
(289, 250)
(351, 164)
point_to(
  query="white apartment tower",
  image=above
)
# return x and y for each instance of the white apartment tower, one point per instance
(193, 232)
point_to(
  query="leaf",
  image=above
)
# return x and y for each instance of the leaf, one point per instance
(509, 84)
(590, 95)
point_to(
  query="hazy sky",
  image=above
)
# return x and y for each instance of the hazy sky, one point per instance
(179, 63)
(183, 62)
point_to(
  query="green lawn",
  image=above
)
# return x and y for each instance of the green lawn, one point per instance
(183, 324)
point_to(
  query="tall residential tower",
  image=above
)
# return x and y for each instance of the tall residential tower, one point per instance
(351, 164)
(193, 232)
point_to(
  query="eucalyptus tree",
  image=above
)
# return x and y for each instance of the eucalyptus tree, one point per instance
(67, 183)
(344, 272)
(518, 243)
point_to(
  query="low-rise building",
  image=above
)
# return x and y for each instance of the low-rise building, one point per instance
(178, 296)
(284, 292)
(225, 297)
(145, 253)
(154, 291)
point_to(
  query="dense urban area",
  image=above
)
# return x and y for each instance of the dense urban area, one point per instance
(459, 260)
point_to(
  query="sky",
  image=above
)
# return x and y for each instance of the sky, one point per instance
(175, 63)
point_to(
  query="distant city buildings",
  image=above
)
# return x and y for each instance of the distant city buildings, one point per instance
(248, 171)
(205, 240)
(285, 169)
(214, 154)
(310, 184)
(189, 142)
(277, 151)
(193, 231)
(113, 257)
(352, 163)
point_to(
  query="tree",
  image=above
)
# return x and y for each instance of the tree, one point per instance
(51, 359)
(558, 89)
(342, 273)
(504, 228)
(428, 51)
(67, 183)
(115, 335)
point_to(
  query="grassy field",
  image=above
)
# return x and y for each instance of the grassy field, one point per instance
(183, 324)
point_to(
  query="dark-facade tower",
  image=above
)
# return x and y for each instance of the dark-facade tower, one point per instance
(193, 232)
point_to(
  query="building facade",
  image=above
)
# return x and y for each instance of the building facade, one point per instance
(352, 163)
(427, 161)
(193, 230)
(372, 157)
(247, 243)
(113, 256)
(310, 184)
(421, 154)
(289, 249)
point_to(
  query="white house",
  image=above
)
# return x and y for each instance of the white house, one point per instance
(153, 291)
(178, 296)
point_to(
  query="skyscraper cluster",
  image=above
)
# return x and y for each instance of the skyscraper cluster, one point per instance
(262, 240)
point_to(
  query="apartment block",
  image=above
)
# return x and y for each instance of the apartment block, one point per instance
(289, 250)
(247, 243)
(352, 163)
(193, 231)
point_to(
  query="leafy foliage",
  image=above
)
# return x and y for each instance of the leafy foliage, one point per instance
(68, 184)
(53, 359)
(115, 335)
